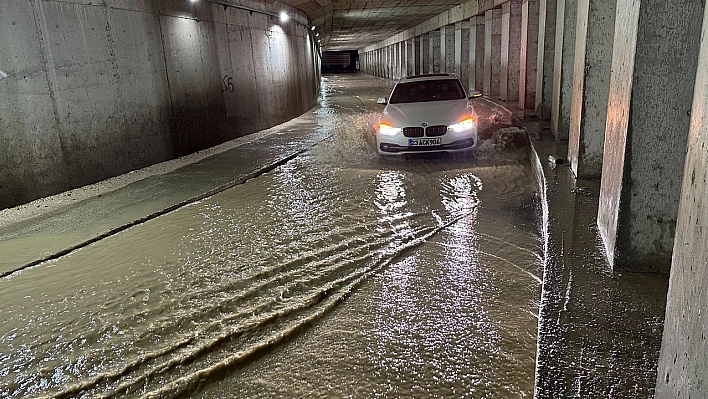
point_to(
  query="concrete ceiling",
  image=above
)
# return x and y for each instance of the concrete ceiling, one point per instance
(354, 24)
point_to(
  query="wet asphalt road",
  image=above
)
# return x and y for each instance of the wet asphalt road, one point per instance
(297, 264)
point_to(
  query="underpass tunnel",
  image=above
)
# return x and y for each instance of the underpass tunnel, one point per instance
(89, 91)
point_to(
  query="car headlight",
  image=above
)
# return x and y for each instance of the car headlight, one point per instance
(465, 124)
(388, 130)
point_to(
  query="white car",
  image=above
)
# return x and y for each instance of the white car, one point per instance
(427, 113)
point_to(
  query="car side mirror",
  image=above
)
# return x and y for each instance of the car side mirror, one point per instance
(474, 94)
(381, 101)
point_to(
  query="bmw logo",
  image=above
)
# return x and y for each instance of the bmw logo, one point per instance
(425, 124)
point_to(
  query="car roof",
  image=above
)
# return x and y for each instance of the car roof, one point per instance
(429, 76)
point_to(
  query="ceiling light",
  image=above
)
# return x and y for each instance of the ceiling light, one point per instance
(284, 17)
(313, 27)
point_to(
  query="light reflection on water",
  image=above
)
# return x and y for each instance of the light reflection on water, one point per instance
(333, 275)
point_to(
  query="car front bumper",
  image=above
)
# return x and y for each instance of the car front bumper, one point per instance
(386, 147)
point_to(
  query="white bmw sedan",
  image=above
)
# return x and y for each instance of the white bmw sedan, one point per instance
(427, 113)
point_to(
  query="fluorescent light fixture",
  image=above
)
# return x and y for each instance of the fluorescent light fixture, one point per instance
(193, 1)
(317, 34)
(313, 27)
(284, 17)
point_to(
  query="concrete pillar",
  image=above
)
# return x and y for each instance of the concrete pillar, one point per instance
(379, 62)
(382, 62)
(492, 52)
(471, 65)
(425, 64)
(462, 53)
(447, 49)
(479, 52)
(396, 60)
(654, 63)
(593, 65)
(510, 51)
(372, 63)
(544, 63)
(417, 54)
(563, 68)
(402, 62)
(683, 363)
(434, 51)
(392, 61)
(410, 57)
(529, 54)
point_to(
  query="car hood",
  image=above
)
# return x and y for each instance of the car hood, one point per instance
(432, 113)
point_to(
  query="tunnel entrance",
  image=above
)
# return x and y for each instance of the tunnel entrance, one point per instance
(340, 61)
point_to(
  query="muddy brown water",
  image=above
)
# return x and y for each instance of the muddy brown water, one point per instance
(338, 274)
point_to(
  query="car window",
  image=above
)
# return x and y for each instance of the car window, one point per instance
(428, 90)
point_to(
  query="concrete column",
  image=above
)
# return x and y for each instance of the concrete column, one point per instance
(395, 61)
(447, 49)
(563, 68)
(654, 64)
(529, 54)
(683, 364)
(418, 56)
(380, 62)
(425, 64)
(471, 65)
(403, 61)
(510, 51)
(479, 53)
(546, 54)
(410, 57)
(593, 64)
(492, 52)
(434, 51)
(462, 53)
(372, 63)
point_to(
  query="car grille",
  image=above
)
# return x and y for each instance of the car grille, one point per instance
(413, 131)
(432, 131)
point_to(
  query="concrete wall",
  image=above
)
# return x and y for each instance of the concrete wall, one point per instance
(93, 91)
(683, 363)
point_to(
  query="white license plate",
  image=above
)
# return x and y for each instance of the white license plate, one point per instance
(424, 142)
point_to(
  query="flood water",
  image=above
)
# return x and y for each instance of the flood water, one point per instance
(337, 274)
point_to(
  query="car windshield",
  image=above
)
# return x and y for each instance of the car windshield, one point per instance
(427, 90)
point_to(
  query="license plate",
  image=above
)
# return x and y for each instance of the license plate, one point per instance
(424, 142)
